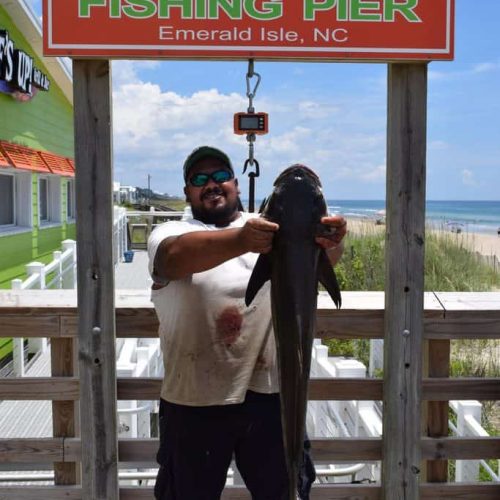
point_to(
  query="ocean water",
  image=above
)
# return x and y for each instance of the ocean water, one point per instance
(470, 216)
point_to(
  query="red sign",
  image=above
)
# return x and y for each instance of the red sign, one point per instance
(382, 30)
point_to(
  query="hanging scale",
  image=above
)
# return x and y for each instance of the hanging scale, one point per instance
(251, 124)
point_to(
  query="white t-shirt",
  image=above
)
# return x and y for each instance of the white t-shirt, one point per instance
(214, 347)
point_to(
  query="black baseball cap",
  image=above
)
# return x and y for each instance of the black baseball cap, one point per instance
(204, 152)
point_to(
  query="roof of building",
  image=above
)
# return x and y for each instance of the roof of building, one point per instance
(28, 22)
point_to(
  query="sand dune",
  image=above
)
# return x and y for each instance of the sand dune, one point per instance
(485, 244)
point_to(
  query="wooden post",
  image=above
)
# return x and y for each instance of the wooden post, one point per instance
(406, 154)
(437, 417)
(96, 324)
(63, 412)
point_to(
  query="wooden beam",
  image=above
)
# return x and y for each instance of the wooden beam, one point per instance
(323, 492)
(438, 357)
(47, 450)
(63, 412)
(404, 288)
(462, 491)
(96, 326)
(53, 313)
(37, 492)
(37, 450)
(361, 389)
(40, 388)
(467, 388)
(475, 491)
(21, 325)
(459, 448)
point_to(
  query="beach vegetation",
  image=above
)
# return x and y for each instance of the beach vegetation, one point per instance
(450, 266)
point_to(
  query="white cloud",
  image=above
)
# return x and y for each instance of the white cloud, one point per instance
(124, 72)
(316, 110)
(155, 129)
(468, 178)
(486, 67)
(378, 174)
(475, 69)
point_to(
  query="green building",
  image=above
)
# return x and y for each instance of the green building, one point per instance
(37, 192)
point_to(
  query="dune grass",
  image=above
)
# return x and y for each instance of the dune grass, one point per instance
(449, 265)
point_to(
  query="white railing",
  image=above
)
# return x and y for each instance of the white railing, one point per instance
(141, 224)
(120, 239)
(342, 418)
(137, 358)
(60, 273)
(468, 424)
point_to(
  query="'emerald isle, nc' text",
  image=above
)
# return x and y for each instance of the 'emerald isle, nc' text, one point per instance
(264, 10)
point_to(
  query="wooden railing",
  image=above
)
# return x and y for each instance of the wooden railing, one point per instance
(447, 316)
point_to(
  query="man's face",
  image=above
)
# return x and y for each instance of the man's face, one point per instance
(213, 203)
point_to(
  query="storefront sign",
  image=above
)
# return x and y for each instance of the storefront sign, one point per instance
(17, 70)
(238, 29)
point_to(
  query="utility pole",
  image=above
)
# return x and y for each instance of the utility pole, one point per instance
(149, 189)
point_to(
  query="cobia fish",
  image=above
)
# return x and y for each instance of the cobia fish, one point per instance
(295, 265)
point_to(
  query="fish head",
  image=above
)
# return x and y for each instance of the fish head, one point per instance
(297, 202)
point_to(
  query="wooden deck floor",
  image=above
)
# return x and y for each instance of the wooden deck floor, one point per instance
(27, 419)
(133, 275)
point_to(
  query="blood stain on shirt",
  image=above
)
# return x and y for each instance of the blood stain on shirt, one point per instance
(261, 363)
(228, 325)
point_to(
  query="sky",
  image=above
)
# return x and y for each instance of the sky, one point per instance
(329, 116)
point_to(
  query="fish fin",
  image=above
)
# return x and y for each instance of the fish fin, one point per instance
(263, 205)
(326, 276)
(260, 274)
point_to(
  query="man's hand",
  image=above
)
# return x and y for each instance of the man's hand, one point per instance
(331, 240)
(337, 230)
(257, 235)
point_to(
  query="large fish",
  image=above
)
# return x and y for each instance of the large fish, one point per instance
(295, 265)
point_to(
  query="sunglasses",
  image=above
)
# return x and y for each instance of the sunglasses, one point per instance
(219, 176)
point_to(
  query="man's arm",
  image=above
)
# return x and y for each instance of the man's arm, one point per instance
(180, 256)
(333, 243)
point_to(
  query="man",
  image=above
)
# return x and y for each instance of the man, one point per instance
(220, 394)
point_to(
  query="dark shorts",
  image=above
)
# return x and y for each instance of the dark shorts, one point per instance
(197, 445)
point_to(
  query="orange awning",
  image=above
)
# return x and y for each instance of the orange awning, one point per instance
(57, 164)
(24, 158)
(4, 162)
(71, 164)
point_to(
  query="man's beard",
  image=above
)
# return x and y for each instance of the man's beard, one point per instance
(220, 217)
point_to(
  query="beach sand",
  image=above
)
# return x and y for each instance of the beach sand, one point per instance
(485, 244)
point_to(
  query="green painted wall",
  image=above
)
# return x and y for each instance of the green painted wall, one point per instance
(38, 244)
(46, 122)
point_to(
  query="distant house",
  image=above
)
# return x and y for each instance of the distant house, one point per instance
(37, 189)
(128, 194)
(125, 194)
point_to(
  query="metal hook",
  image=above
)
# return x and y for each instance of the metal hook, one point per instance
(251, 94)
(257, 168)
(251, 187)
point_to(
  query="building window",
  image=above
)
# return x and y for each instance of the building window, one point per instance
(70, 199)
(43, 200)
(15, 202)
(7, 200)
(49, 200)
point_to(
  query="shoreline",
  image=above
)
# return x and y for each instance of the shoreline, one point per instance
(484, 243)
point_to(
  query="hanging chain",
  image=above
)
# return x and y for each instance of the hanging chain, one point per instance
(251, 93)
